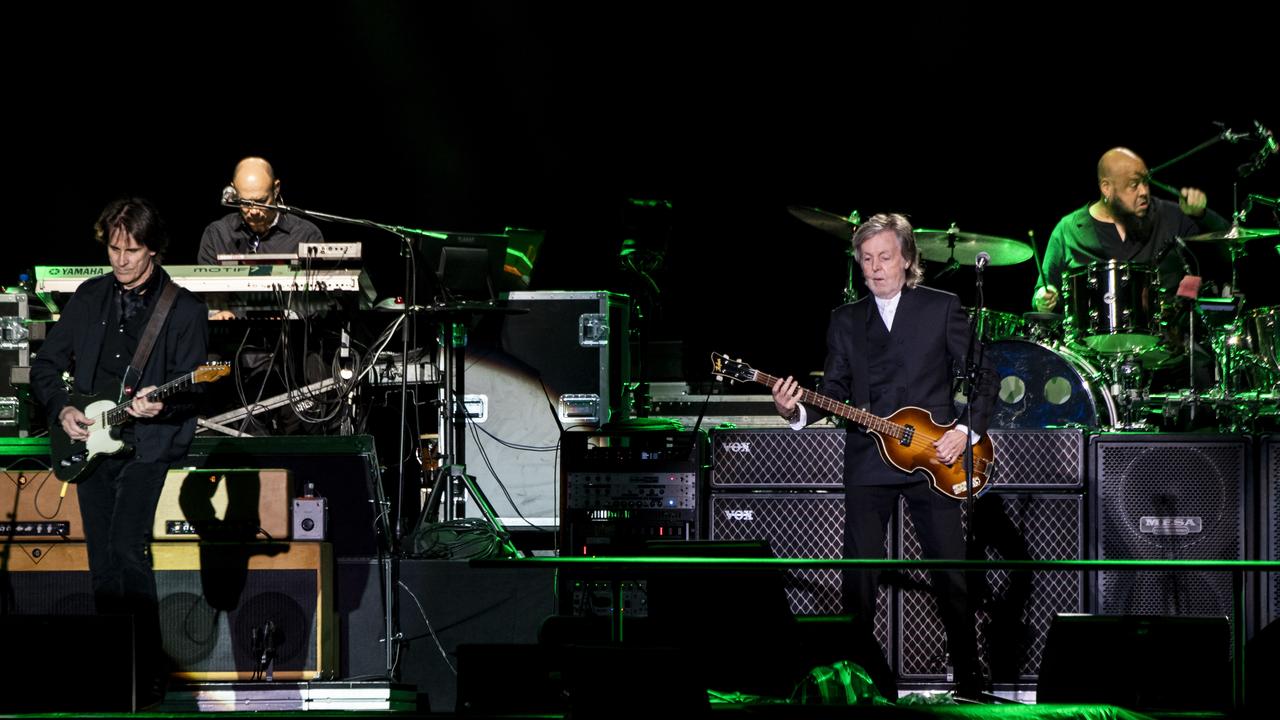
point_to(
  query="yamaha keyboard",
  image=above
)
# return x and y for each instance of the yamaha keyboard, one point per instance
(248, 286)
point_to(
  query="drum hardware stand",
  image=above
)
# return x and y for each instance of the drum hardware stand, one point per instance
(952, 264)
(1127, 389)
(850, 291)
(1225, 133)
(1125, 385)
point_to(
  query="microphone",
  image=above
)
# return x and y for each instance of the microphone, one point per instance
(1269, 148)
(983, 259)
(1182, 248)
(230, 197)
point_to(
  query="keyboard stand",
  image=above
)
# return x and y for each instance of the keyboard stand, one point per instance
(219, 423)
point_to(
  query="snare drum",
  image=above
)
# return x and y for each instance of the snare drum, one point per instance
(1112, 306)
(994, 325)
(1047, 387)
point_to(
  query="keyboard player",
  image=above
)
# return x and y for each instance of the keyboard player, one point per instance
(254, 230)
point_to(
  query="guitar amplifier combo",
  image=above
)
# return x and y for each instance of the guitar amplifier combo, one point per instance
(214, 599)
(32, 507)
(202, 504)
(211, 504)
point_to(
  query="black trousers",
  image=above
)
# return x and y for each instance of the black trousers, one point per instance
(868, 509)
(118, 506)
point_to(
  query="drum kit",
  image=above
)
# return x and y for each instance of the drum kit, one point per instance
(1124, 354)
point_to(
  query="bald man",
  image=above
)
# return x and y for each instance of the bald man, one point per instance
(1125, 223)
(255, 230)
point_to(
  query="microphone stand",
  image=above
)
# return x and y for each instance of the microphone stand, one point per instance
(1226, 134)
(969, 385)
(392, 533)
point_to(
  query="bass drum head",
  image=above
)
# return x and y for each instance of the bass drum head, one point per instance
(1046, 387)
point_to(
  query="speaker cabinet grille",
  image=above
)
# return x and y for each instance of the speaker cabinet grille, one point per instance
(1014, 610)
(1269, 547)
(212, 598)
(797, 525)
(1168, 498)
(1038, 459)
(777, 458)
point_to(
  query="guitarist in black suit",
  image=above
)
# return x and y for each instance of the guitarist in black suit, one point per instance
(95, 340)
(902, 346)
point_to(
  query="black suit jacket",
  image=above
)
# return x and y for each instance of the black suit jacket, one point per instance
(931, 334)
(75, 342)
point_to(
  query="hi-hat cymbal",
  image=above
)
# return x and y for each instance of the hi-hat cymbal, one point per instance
(841, 227)
(1235, 232)
(937, 245)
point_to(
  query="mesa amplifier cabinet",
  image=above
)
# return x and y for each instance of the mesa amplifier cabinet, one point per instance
(812, 458)
(621, 489)
(1038, 459)
(32, 506)
(214, 599)
(1014, 610)
(563, 364)
(211, 504)
(1168, 497)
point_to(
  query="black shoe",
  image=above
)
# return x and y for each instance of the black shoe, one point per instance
(151, 691)
(969, 686)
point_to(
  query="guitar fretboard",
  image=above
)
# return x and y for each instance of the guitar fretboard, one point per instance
(117, 414)
(835, 407)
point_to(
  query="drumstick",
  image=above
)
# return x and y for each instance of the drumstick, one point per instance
(1035, 252)
(1167, 188)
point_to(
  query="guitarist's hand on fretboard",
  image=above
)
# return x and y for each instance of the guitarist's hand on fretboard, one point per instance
(141, 407)
(74, 423)
(786, 396)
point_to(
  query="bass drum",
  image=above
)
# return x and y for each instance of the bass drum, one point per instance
(1047, 387)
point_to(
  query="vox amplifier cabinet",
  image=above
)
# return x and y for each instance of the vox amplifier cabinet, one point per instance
(221, 604)
(773, 459)
(210, 504)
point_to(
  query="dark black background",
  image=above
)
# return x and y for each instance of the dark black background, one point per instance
(477, 116)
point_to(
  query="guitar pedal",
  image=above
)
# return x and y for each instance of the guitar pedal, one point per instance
(310, 516)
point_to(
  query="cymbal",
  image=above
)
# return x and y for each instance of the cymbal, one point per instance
(936, 245)
(841, 227)
(1235, 232)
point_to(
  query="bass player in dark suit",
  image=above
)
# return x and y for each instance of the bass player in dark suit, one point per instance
(903, 346)
(95, 340)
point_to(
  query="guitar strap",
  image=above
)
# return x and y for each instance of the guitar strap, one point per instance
(148, 340)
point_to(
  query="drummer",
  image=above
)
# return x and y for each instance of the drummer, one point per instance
(1125, 223)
